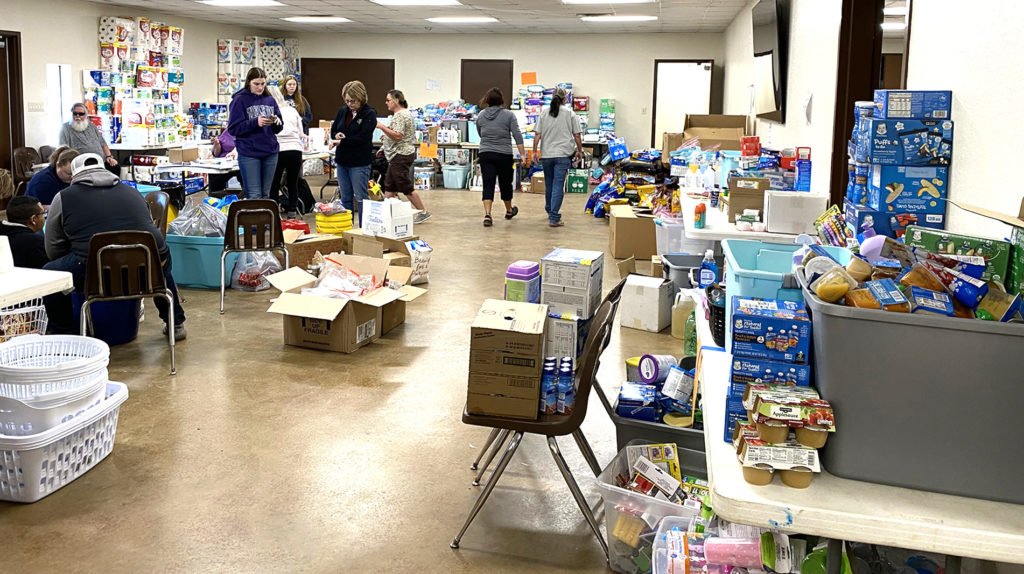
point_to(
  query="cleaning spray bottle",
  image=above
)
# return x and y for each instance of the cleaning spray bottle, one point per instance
(708, 270)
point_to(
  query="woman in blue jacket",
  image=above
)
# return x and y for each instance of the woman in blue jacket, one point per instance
(253, 120)
(352, 133)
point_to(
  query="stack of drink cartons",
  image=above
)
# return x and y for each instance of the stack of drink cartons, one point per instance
(571, 281)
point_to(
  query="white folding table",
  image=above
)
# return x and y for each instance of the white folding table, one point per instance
(22, 284)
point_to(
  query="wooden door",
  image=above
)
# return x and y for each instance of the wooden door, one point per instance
(12, 127)
(479, 76)
(323, 78)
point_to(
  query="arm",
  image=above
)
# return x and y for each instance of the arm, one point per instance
(308, 116)
(57, 244)
(579, 146)
(106, 149)
(394, 135)
(65, 138)
(363, 134)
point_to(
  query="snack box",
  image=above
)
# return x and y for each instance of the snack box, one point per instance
(786, 391)
(746, 371)
(907, 142)
(796, 464)
(995, 251)
(662, 455)
(908, 189)
(734, 415)
(927, 301)
(913, 104)
(811, 419)
(638, 401)
(770, 329)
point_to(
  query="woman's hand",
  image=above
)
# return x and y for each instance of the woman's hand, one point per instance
(264, 121)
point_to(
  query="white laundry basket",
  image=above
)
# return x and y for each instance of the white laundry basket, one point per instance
(26, 318)
(34, 466)
(27, 417)
(35, 365)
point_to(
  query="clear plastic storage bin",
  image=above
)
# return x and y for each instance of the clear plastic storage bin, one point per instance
(670, 237)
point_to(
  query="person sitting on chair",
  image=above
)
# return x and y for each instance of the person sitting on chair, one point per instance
(95, 202)
(45, 184)
(223, 146)
(25, 218)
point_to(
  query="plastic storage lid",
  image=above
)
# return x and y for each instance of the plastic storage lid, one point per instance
(523, 270)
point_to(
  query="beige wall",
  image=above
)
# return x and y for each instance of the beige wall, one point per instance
(813, 57)
(619, 66)
(65, 32)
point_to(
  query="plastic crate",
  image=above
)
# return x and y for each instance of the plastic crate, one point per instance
(622, 504)
(907, 412)
(28, 318)
(34, 466)
(196, 261)
(34, 366)
(660, 552)
(455, 176)
(762, 270)
(670, 237)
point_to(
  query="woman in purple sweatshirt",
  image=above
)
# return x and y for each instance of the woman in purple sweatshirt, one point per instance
(253, 120)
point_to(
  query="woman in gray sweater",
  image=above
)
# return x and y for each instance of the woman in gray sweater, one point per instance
(497, 127)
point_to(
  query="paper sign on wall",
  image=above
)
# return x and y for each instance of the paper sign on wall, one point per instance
(433, 85)
(528, 78)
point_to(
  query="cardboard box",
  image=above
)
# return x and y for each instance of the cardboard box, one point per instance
(759, 326)
(913, 104)
(393, 313)
(302, 248)
(646, 303)
(792, 211)
(734, 414)
(670, 143)
(325, 125)
(747, 193)
(536, 183)
(569, 301)
(574, 268)
(630, 235)
(1015, 275)
(997, 253)
(565, 336)
(183, 154)
(890, 224)
(389, 218)
(907, 142)
(715, 130)
(908, 189)
(388, 244)
(497, 405)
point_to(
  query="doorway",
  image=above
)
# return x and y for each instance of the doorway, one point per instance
(323, 78)
(478, 76)
(12, 121)
(681, 87)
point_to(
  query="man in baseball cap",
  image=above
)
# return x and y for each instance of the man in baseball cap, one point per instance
(95, 202)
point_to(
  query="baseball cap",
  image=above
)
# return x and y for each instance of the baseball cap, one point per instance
(85, 162)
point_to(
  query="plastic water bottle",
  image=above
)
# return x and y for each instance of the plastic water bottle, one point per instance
(681, 311)
(708, 270)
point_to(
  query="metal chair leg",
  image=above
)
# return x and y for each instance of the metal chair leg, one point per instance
(509, 452)
(588, 453)
(83, 319)
(223, 257)
(497, 446)
(486, 447)
(576, 493)
(170, 327)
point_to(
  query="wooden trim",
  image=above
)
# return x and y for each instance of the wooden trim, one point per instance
(906, 45)
(654, 96)
(16, 89)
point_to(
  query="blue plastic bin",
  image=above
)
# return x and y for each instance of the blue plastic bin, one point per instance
(195, 261)
(762, 270)
(113, 322)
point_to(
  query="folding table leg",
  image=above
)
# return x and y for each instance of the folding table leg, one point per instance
(509, 452)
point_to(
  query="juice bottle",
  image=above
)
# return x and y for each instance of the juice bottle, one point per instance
(681, 311)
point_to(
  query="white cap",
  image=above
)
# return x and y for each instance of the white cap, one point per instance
(85, 162)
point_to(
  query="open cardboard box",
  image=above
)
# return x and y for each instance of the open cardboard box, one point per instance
(746, 193)
(340, 325)
(645, 267)
(715, 129)
(630, 234)
(302, 246)
(393, 250)
(182, 154)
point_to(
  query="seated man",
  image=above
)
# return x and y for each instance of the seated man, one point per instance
(25, 219)
(97, 201)
(45, 184)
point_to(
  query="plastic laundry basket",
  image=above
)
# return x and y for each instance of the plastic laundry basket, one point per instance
(26, 318)
(670, 237)
(455, 176)
(37, 465)
(36, 365)
(20, 418)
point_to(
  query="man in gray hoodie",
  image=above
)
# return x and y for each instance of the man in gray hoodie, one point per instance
(95, 202)
(497, 127)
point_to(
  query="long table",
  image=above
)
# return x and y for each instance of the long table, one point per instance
(22, 284)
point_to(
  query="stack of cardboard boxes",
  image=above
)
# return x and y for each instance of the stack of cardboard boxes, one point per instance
(571, 282)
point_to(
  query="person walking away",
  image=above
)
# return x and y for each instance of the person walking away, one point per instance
(47, 183)
(352, 134)
(25, 219)
(558, 135)
(497, 128)
(253, 120)
(289, 159)
(81, 135)
(400, 152)
(95, 202)
(293, 96)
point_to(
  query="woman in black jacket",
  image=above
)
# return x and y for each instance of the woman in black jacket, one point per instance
(352, 133)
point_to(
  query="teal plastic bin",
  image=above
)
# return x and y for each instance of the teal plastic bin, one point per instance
(762, 270)
(730, 161)
(195, 261)
(455, 176)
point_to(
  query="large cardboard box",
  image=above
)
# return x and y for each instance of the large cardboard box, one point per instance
(715, 129)
(395, 251)
(506, 359)
(302, 248)
(670, 142)
(389, 218)
(630, 235)
(746, 193)
(571, 281)
(536, 183)
(183, 154)
(393, 313)
(646, 303)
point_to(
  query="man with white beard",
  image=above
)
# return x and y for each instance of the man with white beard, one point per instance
(83, 135)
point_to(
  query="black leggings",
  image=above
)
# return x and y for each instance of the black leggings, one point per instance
(290, 162)
(496, 166)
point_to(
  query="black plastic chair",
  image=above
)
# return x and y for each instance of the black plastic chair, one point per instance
(253, 225)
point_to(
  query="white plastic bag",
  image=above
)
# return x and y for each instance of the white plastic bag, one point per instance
(251, 270)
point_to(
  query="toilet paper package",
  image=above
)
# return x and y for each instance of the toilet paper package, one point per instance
(225, 51)
(142, 32)
(108, 57)
(175, 43)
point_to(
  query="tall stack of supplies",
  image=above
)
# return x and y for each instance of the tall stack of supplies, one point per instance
(571, 282)
(58, 412)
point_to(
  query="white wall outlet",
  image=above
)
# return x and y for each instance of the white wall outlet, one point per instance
(37, 107)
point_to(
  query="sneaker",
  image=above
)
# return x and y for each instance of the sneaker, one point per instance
(555, 224)
(292, 215)
(179, 332)
(421, 217)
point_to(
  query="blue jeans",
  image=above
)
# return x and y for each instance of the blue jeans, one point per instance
(353, 184)
(555, 170)
(257, 175)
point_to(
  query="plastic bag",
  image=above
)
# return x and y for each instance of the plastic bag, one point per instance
(295, 224)
(202, 220)
(419, 253)
(331, 208)
(337, 281)
(251, 270)
(222, 203)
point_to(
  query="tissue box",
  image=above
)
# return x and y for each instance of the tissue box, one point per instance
(898, 188)
(908, 142)
(913, 104)
(646, 303)
(770, 329)
(792, 211)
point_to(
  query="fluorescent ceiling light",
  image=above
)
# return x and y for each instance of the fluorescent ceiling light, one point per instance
(616, 18)
(608, 1)
(889, 26)
(316, 19)
(462, 20)
(240, 3)
(893, 11)
(417, 2)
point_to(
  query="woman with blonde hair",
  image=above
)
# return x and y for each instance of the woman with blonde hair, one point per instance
(352, 134)
(292, 92)
(45, 184)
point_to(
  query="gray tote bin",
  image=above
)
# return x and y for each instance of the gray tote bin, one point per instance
(924, 402)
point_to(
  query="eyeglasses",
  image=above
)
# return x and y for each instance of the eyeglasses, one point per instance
(43, 213)
(78, 114)
(348, 101)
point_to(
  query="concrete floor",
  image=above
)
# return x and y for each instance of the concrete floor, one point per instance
(259, 457)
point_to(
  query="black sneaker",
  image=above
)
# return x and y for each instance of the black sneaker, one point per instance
(179, 332)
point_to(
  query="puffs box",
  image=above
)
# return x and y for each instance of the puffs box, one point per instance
(913, 104)
(770, 329)
(340, 325)
(908, 189)
(908, 142)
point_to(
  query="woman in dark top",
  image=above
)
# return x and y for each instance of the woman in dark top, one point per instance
(293, 96)
(352, 133)
(47, 183)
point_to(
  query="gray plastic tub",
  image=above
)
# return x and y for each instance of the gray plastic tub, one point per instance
(678, 267)
(931, 403)
(631, 429)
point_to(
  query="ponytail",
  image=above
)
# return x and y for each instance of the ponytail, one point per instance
(557, 99)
